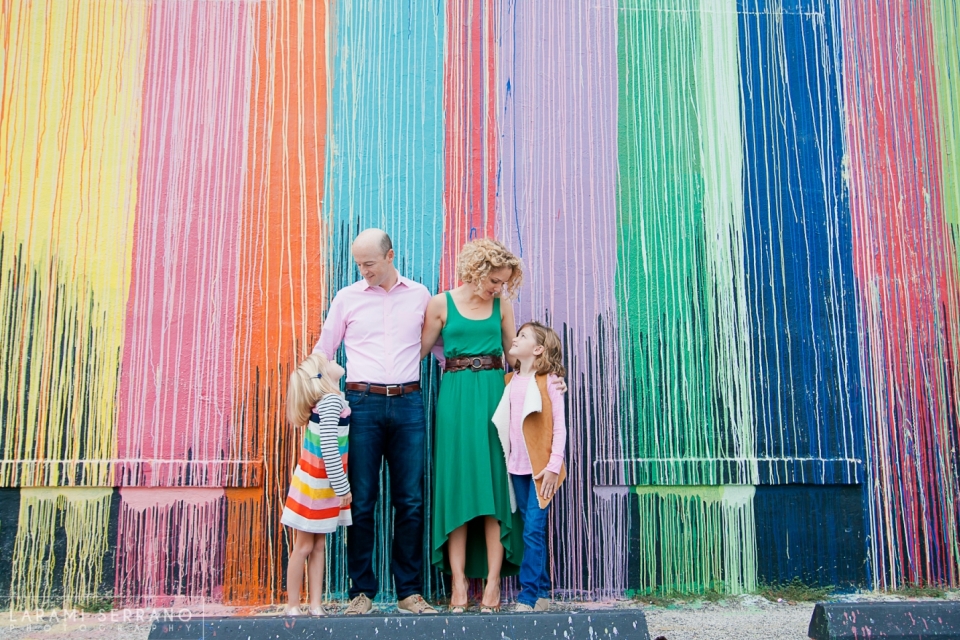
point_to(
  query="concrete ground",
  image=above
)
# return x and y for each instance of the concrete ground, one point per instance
(734, 618)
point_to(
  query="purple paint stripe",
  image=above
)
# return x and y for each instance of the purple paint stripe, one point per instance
(556, 208)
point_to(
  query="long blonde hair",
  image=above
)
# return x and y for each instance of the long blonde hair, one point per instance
(551, 360)
(479, 257)
(305, 388)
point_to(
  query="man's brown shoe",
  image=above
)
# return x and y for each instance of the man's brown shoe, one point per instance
(359, 606)
(542, 605)
(415, 604)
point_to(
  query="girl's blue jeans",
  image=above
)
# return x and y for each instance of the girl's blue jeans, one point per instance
(534, 577)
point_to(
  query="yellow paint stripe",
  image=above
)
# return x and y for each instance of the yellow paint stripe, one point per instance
(69, 143)
(84, 515)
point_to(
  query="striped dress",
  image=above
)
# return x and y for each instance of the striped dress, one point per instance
(313, 503)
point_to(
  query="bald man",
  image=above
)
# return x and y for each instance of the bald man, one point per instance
(378, 320)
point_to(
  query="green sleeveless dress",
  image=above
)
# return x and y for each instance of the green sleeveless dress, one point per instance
(470, 474)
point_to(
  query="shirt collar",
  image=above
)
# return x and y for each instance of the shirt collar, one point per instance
(406, 282)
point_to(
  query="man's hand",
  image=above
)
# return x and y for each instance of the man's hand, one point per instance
(346, 500)
(549, 485)
(561, 385)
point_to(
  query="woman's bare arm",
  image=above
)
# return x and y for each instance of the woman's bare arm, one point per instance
(508, 326)
(433, 320)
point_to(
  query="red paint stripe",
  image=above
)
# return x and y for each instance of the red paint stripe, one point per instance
(470, 135)
(906, 266)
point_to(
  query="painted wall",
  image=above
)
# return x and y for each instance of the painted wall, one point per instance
(743, 217)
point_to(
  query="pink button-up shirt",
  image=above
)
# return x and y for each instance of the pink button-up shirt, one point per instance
(380, 331)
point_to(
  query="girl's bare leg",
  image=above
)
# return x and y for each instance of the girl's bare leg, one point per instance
(302, 546)
(457, 554)
(315, 568)
(491, 592)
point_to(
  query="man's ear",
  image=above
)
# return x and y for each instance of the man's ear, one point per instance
(390, 255)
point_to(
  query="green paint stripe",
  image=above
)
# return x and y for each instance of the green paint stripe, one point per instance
(697, 538)
(683, 317)
(945, 16)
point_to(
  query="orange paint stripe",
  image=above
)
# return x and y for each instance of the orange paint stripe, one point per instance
(281, 289)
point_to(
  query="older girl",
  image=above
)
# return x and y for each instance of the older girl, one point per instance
(531, 424)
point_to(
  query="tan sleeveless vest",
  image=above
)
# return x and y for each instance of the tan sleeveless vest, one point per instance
(538, 436)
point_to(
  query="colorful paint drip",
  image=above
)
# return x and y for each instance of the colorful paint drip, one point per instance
(84, 516)
(742, 217)
(696, 539)
(909, 298)
(69, 142)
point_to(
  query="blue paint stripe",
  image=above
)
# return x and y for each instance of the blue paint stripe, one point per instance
(384, 168)
(384, 164)
(798, 240)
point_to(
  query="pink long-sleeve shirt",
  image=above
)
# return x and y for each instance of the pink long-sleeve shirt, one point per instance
(380, 331)
(518, 462)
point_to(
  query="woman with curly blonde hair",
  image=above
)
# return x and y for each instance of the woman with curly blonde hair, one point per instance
(477, 532)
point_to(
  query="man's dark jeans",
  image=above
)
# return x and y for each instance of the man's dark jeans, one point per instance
(395, 428)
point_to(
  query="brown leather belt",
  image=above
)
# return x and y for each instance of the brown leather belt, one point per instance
(474, 363)
(389, 390)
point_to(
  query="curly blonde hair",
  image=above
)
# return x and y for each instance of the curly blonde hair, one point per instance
(551, 360)
(479, 257)
(306, 389)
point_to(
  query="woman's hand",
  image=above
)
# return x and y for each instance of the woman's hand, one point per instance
(549, 485)
(346, 500)
(560, 384)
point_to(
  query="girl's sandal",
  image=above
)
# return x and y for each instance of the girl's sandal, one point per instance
(318, 612)
(292, 611)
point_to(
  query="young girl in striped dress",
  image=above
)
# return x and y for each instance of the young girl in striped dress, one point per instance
(319, 497)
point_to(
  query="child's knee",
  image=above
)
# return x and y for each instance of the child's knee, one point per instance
(319, 543)
(303, 543)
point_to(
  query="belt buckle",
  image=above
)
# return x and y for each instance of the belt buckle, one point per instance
(476, 364)
(398, 387)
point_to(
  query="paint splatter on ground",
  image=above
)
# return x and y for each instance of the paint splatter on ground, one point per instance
(750, 617)
(744, 617)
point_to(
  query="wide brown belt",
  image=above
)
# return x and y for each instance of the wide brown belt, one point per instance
(474, 363)
(384, 389)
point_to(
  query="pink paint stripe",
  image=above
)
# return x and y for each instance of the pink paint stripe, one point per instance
(170, 546)
(177, 372)
(141, 498)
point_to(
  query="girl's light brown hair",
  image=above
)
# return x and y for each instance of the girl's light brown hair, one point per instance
(551, 360)
(305, 388)
(479, 257)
